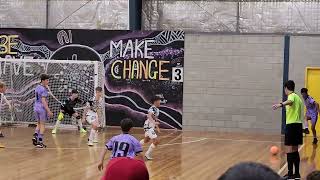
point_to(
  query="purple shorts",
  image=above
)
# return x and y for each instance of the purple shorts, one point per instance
(41, 115)
(312, 117)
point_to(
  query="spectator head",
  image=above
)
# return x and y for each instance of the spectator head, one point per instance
(250, 171)
(314, 175)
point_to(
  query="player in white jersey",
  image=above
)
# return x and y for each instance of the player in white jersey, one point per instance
(93, 114)
(3, 99)
(150, 125)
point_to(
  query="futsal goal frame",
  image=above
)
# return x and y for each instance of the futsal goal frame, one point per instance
(90, 74)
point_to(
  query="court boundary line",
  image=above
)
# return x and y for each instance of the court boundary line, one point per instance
(237, 140)
(219, 139)
(176, 130)
(99, 147)
(286, 164)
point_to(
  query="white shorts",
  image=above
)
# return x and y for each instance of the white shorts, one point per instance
(150, 133)
(92, 118)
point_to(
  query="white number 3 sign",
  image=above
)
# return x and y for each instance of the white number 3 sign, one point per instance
(177, 74)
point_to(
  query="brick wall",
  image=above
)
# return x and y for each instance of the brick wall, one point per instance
(231, 82)
(304, 52)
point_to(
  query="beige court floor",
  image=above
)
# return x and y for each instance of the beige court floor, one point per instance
(181, 155)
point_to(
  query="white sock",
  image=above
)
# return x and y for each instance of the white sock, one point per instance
(92, 134)
(151, 147)
(57, 124)
(80, 123)
(142, 142)
(96, 135)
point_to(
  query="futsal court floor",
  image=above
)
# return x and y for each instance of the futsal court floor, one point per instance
(182, 155)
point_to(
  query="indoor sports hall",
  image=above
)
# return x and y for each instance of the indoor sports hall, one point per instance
(159, 90)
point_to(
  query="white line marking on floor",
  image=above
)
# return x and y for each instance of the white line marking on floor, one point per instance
(187, 142)
(80, 148)
(237, 140)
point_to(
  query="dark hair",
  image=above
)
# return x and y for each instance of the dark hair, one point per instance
(126, 125)
(315, 175)
(290, 85)
(304, 90)
(250, 171)
(155, 98)
(74, 91)
(44, 77)
(99, 89)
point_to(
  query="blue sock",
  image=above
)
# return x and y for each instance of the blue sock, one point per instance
(40, 138)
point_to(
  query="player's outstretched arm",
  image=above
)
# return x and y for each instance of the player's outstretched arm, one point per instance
(100, 165)
(45, 104)
(151, 116)
(80, 101)
(84, 115)
(283, 104)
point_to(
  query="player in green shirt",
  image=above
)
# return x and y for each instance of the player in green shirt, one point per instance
(293, 133)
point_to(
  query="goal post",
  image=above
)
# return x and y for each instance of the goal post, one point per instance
(21, 76)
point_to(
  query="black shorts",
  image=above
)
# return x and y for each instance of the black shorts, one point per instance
(70, 112)
(293, 134)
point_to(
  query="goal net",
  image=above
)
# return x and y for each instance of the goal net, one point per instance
(21, 76)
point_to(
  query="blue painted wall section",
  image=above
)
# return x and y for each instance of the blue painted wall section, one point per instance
(135, 13)
(286, 59)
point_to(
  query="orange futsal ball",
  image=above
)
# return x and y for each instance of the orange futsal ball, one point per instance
(274, 150)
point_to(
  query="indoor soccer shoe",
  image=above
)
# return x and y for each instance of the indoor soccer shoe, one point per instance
(41, 145)
(297, 177)
(1, 135)
(82, 130)
(90, 143)
(148, 157)
(288, 177)
(315, 141)
(34, 140)
(306, 131)
(54, 131)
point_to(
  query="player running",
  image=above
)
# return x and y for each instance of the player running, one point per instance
(150, 124)
(123, 145)
(41, 110)
(93, 114)
(67, 107)
(311, 114)
(3, 98)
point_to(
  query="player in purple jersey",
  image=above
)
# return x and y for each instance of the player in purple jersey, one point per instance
(311, 114)
(123, 145)
(41, 110)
